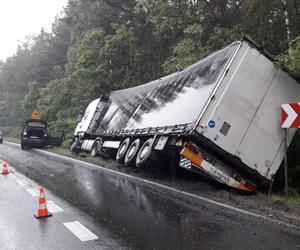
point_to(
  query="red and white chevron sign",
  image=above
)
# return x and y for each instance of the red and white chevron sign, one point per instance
(290, 115)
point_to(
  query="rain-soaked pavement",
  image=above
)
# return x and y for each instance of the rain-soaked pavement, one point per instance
(136, 214)
(20, 230)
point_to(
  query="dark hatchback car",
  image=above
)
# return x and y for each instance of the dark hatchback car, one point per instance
(1, 138)
(35, 135)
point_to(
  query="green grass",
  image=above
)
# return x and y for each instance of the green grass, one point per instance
(289, 200)
(15, 140)
(60, 150)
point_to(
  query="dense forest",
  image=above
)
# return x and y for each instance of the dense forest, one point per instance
(96, 46)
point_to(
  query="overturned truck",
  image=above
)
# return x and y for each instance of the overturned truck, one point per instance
(219, 117)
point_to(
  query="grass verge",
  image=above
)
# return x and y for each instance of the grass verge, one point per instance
(15, 140)
(289, 200)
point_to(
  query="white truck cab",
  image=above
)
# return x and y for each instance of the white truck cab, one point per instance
(87, 117)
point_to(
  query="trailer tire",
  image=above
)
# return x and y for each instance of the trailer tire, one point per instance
(122, 151)
(131, 153)
(96, 148)
(144, 156)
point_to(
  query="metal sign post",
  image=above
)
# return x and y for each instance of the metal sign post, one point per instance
(285, 163)
(290, 118)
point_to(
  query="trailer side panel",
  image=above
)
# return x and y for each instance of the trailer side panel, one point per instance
(175, 99)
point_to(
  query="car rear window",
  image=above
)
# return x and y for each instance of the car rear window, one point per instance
(36, 124)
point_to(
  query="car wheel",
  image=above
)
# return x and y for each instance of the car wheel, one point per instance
(144, 156)
(96, 148)
(122, 151)
(131, 153)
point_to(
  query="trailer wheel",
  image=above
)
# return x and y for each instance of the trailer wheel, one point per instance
(96, 148)
(143, 157)
(131, 153)
(122, 150)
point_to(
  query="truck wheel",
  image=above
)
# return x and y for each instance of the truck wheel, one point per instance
(96, 148)
(122, 150)
(131, 153)
(145, 154)
(74, 145)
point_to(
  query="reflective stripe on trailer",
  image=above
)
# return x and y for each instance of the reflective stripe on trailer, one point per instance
(185, 163)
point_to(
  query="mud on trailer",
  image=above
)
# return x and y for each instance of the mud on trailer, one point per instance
(220, 117)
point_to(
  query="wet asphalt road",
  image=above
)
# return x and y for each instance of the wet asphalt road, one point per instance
(20, 230)
(142, 216)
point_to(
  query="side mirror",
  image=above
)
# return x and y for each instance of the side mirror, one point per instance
(79, 117)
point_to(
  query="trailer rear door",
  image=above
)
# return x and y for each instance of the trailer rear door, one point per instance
(262, 147)
(244, 117)
(238, 98)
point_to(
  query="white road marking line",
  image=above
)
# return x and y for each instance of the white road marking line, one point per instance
(24, 179)
(80, 231)
(13, 174)
(242, 211)
(22, 182)
(53, 207)
(33, 191)
(18, 175)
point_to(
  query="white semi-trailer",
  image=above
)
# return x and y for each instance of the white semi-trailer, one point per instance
(220, 116)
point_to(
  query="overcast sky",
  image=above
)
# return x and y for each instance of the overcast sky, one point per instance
(19, 18)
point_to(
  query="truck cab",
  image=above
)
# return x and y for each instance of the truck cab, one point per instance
(85, 119)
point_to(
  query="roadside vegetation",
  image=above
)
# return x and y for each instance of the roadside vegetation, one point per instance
(291, 200)
(99, 46)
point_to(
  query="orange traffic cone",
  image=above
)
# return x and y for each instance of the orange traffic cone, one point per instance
(43, 211)
(4, 167)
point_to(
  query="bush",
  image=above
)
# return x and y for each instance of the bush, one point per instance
(11, 132)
